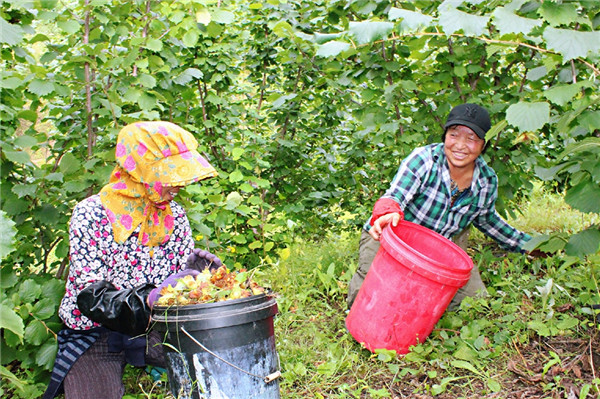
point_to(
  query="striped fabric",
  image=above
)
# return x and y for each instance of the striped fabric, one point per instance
(71, 345)
(422, 188)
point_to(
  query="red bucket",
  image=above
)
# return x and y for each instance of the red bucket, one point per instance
(413, 278)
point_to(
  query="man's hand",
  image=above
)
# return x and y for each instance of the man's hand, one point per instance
(383, 221)
(537, 253)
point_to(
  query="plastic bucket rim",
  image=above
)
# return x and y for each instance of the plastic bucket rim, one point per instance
(217, 304)
(430, 271)
(171, 316)
(437, 237)
(412, 260)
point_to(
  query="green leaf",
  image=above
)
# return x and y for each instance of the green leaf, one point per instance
(465, 365)
(44, 308)
(223, 17)
(236, 153)
(148, 81)
(494, 385)
(508, 22)
(567, 323)
(186, 76)
(71, 26)
(558, 14)
(8, 278)
(590, 120)
(495, 130)
(465, 353)
(528, 117)
(321, 38)
(28, 114)
(25, 141)
(46, 354)
(11, 82)
(587, 144)
(154, 44)
(190, 38)
(35, 332)
(233, 200)
(411, 20)
(7, 235)
(571, 43)
(9, 320)
(236, 176)
(69, 164)
(453, 20)
(147, 101)
(281, 100)
(370, 31)
(585, 197)
(29, 291)
(12, 379)
(385, 355)
(203, 16)
(239, 239)
(584, 243)
(539, 327)
(57, 176)
(562, 94)
(23, 190)
(535, 241)
(10, 34)
(75, 186)
(332, 48)
(41, 87)
(255, 245)
(17, 156)
(554, 244)
(537, 73)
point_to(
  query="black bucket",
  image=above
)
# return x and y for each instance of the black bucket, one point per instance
(221, 350)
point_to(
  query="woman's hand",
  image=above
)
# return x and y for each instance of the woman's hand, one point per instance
(383, 221)
(200, 260)
(172, 281)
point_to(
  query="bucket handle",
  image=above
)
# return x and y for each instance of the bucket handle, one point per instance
(269, 378)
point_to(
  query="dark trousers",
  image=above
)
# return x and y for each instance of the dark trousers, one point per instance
(98, 373)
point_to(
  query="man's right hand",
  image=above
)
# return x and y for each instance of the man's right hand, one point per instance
(383, 221)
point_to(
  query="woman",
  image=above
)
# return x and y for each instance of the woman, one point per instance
(124, 242)
(445, 187)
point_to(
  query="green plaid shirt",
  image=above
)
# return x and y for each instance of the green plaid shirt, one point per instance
(422, 188)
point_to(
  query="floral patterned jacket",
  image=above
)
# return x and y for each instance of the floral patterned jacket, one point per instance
(95, 256)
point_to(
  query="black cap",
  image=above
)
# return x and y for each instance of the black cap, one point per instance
(472, 116)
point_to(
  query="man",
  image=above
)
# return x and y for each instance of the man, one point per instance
(445, 187)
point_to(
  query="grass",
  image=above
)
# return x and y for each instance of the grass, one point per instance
(545, 213)
(534, 336)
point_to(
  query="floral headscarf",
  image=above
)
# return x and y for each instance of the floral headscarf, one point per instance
(150, 155)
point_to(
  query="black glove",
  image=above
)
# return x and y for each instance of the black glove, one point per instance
(200, 259)
(125, 311)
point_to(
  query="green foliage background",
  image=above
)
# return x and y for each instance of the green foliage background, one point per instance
(305, 107)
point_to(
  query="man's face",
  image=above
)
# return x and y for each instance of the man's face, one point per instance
(462, 146)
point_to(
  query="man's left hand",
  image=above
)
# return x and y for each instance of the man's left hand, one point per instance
(537, 253)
